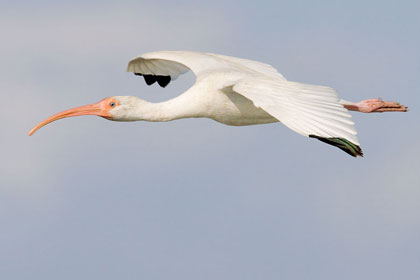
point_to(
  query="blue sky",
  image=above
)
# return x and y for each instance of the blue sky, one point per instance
(85, 198)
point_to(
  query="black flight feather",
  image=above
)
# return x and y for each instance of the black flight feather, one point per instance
(163, 81)
(341, 143)
(149, 79)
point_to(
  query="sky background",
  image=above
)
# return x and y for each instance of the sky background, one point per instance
(86, 198)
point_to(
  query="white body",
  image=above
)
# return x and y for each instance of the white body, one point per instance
(237, 91)
(203, 100)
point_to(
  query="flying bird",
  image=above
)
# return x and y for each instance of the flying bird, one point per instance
(237, 92)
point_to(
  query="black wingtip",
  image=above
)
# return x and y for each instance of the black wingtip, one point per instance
(163, 81)
(149, 79)
(341, 143)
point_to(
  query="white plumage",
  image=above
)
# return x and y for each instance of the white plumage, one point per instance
(236, 91)
(306, 109)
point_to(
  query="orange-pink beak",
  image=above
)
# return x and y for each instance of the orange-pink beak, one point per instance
(98, 109)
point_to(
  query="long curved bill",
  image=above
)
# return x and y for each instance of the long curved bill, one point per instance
(97, 109)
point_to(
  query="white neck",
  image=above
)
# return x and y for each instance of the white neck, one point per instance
(163, 111)
(183, 106)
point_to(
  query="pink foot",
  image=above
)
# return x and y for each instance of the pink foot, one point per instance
(376, 106)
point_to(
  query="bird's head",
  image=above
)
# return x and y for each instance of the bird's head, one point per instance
(116, 108)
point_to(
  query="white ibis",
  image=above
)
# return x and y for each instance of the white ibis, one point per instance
(236, 92)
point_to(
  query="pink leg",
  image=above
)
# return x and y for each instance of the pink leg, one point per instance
(376, 106)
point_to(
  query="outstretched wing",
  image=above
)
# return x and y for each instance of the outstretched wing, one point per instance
(310, 110)
(165, 66)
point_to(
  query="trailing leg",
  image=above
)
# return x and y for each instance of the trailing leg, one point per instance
(374, 106)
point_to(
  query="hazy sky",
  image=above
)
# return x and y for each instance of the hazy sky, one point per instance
(86, 198)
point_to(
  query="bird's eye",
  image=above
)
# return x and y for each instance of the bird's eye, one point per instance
(112, 104)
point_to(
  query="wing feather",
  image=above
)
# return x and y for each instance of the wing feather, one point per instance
(175, 63)
(306, 109)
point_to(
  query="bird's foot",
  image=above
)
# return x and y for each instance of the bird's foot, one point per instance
(377, 106)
